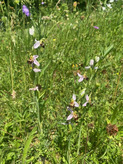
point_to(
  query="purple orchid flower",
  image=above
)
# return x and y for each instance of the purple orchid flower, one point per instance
(25, 10)
(96, 27)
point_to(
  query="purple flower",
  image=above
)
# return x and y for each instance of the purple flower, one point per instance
(36, 70)
(25, 11)
(87, 100)
(42, 3)
(96, 27)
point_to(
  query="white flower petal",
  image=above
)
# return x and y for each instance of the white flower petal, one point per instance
(79, 75)
(87, 98)
(95, 67)
(74, 97)
(70, 117)
(31, 30)
(85, 104)
(33, 89)
(91, 62)
(35, 56)
(36, 70)
(103, 8)
(81, 79)
(37, 44)
(76, 104)
(87, 67)
(109, 5)
(36, 63)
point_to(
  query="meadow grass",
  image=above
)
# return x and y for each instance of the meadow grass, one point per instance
(33, 124)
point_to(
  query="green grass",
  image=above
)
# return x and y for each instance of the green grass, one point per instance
(31, 124)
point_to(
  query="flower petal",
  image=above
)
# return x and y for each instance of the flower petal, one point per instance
(76, 104)
(85, 104)
(31, 30)
(33, 89)
(74, 97)
(91, 62)
(87, 98)
(36, 63)
(36, 70)
(70, 117)
(79, 75)
(36, 45)
(35, 56)
(96, 27)
(81, 79)
(87, 67)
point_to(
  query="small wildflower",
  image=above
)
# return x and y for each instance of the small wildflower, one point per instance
(96, 27)
(87, 100)
(73, 102)
(31, 30)
(34, 89)
(36, 70)
(25, 10)
(81, 77)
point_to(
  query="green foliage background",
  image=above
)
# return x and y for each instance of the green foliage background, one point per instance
(33, 126)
